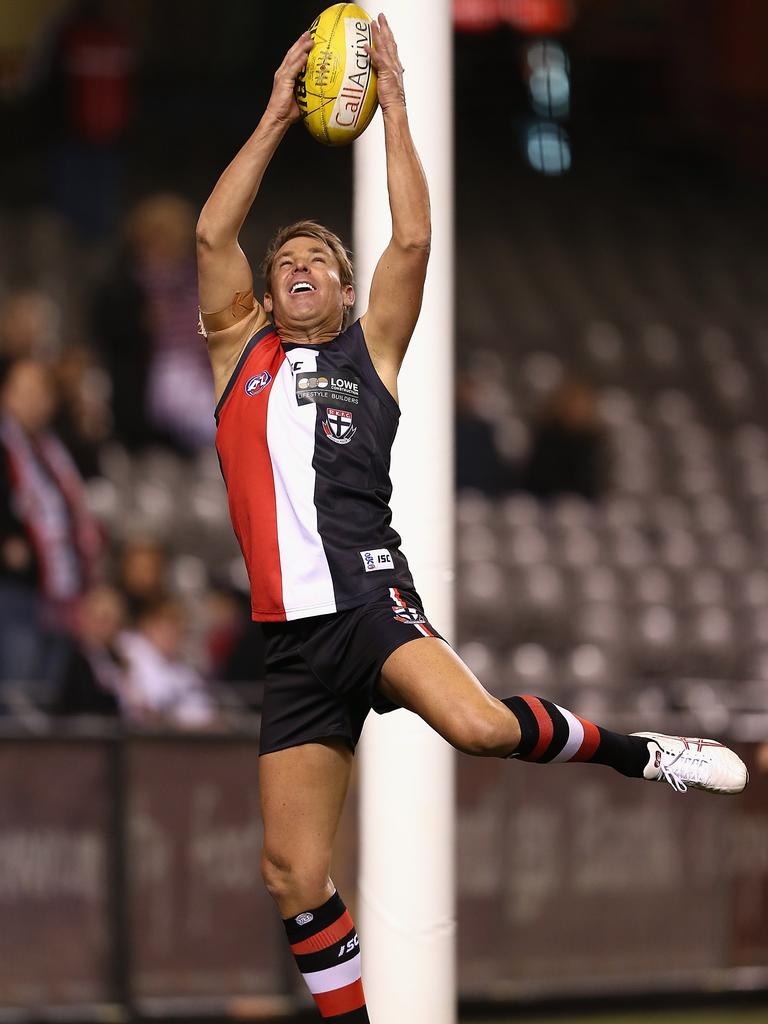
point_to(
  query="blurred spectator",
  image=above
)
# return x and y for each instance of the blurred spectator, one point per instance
(49, 542)
(162, 688)
(145, 320)
(22, 26)
(30, 325)
(142, 575)
(95, 677)
(83, 420)
(567, 453)
(90, 81)
(479, 465)
(234, 642)
(224, 625)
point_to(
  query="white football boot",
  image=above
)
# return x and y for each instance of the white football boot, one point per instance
(686, 762)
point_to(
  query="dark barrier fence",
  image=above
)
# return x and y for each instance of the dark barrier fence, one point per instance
(56, 941)
(129, 877)
(576, 880)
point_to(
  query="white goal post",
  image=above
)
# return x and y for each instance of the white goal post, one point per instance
(406, 887)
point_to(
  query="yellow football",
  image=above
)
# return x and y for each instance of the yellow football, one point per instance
(336, 92)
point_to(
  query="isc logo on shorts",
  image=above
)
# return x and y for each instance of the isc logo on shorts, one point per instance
(373, 561)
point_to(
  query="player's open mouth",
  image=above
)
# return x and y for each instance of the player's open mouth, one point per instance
(301, 286)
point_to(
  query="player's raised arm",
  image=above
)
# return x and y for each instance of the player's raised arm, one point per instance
(222, 266)
(398, 282)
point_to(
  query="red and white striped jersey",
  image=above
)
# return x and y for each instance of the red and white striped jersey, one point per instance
(304, 439)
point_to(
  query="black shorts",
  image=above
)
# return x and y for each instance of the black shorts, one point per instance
(322, 673)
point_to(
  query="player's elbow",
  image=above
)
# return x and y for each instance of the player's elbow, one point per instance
(203, 235)
(209, 235)
(417, 240)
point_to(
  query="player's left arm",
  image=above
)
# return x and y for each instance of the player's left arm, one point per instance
(398, 281)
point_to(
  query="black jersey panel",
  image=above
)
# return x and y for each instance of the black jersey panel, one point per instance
(356, 423)
(371, 373)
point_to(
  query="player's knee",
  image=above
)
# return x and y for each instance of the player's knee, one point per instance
(490, 732)
(292, 881)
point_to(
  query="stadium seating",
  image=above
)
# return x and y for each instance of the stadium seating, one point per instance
(657, 592)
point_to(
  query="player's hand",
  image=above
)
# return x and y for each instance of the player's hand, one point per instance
(386, 63)
(282, 103)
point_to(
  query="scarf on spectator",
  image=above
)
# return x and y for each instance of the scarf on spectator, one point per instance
(49, 500)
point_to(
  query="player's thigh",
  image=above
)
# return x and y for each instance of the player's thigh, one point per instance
(429, 678)
(302, 793)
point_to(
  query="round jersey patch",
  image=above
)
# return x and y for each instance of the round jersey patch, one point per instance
(256, 384)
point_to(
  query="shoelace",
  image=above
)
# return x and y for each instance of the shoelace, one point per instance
(693, 768)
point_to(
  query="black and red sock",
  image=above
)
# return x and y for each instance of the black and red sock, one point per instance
(550, 733)
(325, 944)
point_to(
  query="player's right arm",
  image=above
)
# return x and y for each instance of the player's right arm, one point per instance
(223, 268)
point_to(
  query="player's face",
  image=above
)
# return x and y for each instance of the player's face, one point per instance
(306, 289)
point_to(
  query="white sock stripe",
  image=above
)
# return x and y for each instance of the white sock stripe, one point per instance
(334, 977)
(575, 736)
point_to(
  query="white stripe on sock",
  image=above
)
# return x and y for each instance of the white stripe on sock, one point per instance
(334, 977)
(575, 736)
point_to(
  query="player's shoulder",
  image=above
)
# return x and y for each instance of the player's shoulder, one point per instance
(350, 344)
(376, 371)
(227, 331)
(243, 312)
(350, 337)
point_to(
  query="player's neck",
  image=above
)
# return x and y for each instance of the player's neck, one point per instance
(308, 334)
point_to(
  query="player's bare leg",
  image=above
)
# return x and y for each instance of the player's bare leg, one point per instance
(430, 679)
(302, 795)
(427, 677)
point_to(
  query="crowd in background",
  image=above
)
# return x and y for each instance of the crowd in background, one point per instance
(89, 622)
(106, 355)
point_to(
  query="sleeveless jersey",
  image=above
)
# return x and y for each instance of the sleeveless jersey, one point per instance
(304, 439)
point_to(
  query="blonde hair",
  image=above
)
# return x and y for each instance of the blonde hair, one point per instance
(310, 229)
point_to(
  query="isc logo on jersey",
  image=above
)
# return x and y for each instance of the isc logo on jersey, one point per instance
(376, 560)
(256, 384)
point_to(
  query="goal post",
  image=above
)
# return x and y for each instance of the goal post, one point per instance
(406, 881)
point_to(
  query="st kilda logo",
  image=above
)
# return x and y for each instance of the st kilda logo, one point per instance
(338, 426)
(405, 613)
